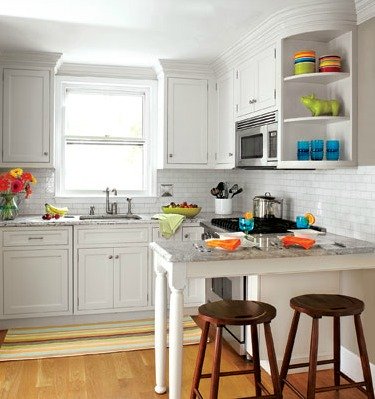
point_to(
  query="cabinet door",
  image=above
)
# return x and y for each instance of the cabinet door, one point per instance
(95, 278)
(36, 281)
(225, 121)
(245, 87)
(187, 121)
(266, 80)
(26, 119)
(130, 275)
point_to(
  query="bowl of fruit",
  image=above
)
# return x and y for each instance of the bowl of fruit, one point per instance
(185, 209)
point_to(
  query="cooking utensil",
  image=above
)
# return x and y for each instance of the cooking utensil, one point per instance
(267, 206)
(233, 188)
(237, 192)
(215, 191)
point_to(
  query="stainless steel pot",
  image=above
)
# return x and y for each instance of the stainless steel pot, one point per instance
(267, 206)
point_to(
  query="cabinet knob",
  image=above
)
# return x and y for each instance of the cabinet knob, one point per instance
(110, 257)
(116, 257)
(45, 153)
(170, 155)
(187, 235)
(231, 154)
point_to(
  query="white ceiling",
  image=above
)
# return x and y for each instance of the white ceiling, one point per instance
(131, 32)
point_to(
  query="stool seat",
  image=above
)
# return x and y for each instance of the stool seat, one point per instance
(236, 312)
(319, 305)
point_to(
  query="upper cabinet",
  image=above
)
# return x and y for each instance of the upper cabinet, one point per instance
(255, 83)
(187, 112)
(296, 120)
(225, 138)
(27, 110)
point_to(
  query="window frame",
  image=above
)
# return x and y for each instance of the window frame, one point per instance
(149, 88)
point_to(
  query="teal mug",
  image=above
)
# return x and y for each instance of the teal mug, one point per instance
(302, 222)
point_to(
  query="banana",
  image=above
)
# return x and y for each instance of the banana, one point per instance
(55, 210)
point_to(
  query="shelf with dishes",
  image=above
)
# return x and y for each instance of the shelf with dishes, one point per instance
(317, 77)
(317, 119)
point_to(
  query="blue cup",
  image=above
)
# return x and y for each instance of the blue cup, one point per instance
(303, 150)
(246, 225)
(317, 149)
(332, 150)
(302, 222)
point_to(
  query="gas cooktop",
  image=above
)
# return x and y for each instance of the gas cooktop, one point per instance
(261, 225)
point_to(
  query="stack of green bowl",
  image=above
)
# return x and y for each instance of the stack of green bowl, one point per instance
(304, 62)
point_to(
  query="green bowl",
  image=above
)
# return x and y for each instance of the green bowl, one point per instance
(304, 67)
(188, 212)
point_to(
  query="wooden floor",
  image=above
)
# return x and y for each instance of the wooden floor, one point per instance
(128, 375)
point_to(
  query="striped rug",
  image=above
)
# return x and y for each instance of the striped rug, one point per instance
(85, 339)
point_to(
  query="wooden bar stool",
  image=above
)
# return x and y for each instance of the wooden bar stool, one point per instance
(318, 306)
(231, 312)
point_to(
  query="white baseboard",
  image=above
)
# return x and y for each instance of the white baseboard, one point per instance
(351, 365)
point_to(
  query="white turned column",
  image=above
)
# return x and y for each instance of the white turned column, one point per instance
(175, 343)
(160, 327)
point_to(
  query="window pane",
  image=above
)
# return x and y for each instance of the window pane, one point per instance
(103, 114)
(97, 166)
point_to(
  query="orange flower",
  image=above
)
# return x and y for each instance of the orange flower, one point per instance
(4, 184)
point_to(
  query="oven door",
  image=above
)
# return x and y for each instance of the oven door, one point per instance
(250, 146)
(221, 288)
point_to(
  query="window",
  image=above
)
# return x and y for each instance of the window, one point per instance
(105, 138)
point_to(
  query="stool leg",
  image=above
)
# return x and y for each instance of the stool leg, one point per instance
(364, 357)
(216, 364)
(272, 360)
(289, 348)
(311, 384)
(256, 360)
(336, 350)
(200, 360)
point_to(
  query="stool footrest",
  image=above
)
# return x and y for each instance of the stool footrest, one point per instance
(319, 363)
(263, 397)
(347, 378)
(227, 373)
(338, 387)
(199, 396)
(294, 389)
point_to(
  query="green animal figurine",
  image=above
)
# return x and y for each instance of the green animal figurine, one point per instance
(321, 107)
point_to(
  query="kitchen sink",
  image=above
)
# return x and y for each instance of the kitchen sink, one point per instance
(110, 217)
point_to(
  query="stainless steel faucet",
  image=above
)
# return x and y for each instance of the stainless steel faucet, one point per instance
(129, 205)
(111, 209)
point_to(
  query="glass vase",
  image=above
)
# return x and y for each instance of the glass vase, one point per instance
(9, 207)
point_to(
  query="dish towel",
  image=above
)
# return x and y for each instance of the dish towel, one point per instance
(168, 223)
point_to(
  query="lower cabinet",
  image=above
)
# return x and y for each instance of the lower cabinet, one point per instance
(36, 272)
(111, 278)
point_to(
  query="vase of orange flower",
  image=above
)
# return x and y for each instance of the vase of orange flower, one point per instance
(12, 184)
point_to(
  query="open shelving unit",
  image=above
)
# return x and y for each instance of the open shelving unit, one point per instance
(296, 122)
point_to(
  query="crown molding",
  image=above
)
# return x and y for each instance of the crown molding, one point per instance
(179, 68)
(336, 15)
(31, 59)
(365, 10)
(107, 71)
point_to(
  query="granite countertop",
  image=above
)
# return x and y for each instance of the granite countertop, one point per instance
(175, 251)
(36, 221)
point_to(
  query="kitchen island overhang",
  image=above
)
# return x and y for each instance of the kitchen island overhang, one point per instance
(178, 262)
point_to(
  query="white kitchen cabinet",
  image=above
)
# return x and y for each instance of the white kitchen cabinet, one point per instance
(37, 275)
(187, 123)
(255, 83)
(296, 121)
(194, 293)
(225, 137)
(112, 269)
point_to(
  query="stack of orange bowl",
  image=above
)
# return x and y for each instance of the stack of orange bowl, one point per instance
(304, 62)
(330, 63)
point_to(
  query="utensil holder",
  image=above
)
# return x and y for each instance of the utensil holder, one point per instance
(223, 206)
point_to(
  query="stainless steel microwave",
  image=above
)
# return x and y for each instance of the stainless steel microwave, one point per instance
(256, 141)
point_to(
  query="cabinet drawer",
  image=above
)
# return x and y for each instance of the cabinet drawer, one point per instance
(31, 237)
(112, 236)
(156, 235)
(192, 233)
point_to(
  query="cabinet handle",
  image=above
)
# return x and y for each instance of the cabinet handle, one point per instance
(231, 154)
(110, 257)
(254, 101)
(116, 257)
(170, 155)
(45, 153)
(35, 238)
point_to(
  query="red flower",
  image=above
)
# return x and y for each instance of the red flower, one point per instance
(4, 184)
(16, 186)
